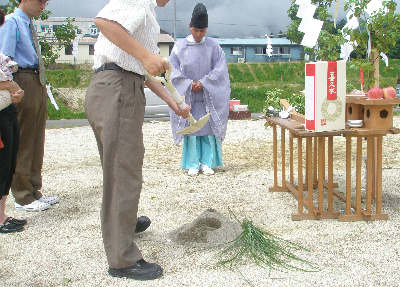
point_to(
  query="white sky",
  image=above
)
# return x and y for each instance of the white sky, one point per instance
(227, 18)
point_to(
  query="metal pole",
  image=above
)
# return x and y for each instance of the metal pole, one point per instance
(174, 20)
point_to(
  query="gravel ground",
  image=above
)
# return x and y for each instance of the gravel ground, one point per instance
(63, 246)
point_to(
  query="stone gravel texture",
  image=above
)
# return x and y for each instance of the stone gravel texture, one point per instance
(63, 245)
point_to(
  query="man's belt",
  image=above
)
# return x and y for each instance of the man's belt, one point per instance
(29, 70)
(115, 67)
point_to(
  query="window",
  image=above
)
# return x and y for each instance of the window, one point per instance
(237, 51)
(260, 50)
(44, 28)
(68, 49)
(78, 31)
(285, 50)
(91, 49)
(275, 50)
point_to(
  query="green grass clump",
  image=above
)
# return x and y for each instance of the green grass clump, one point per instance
(64, 113)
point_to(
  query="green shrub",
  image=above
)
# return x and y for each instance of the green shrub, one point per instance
(69, 78)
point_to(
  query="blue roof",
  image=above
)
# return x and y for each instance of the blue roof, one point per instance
(253, 41)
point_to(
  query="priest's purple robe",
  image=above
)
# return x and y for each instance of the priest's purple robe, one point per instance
(204, 62)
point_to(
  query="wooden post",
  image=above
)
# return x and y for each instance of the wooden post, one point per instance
(310, 185)
(300, 174)
(291, 180)
(370, 171)
(358, 175)
(379, 176)
(275, 156)
(321, 166)
(348, 175)
(283, 156)
(315, 160)
(330, 174)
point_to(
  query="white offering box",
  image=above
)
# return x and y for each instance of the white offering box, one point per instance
(325, 91)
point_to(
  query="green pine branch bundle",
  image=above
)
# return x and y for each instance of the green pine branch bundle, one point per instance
(265, 249)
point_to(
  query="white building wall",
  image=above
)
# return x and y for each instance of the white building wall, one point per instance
(88, 32)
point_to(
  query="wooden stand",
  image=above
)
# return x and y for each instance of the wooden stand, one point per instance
(315, 165)
(376, 114)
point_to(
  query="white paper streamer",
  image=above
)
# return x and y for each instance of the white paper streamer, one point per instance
(269, 47)
(309, 26)
(51, 97)
(310, 38)
(385, 58)
(373, 7)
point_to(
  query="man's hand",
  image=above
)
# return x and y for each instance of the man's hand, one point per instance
(16, 92)
(183, 113)
(155, 64)
(197, 87)
(17, 96)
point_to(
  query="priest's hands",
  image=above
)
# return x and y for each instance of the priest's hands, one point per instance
(197, 86)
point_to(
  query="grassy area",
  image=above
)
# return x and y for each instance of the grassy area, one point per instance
(64, 113)
(255, 84)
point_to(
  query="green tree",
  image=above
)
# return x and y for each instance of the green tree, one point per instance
(382, 28)
(62, 37)
(330, 39)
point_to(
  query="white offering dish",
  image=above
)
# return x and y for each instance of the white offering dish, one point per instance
(355, 123)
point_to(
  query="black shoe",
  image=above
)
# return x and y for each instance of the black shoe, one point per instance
(8, 227)
(143, 222)
(17, 221)
(142, 270)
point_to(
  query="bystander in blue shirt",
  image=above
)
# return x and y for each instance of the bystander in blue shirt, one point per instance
(16, 40)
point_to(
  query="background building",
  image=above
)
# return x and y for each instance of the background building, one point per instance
(240, 50)
(81, 51)
(254, 50)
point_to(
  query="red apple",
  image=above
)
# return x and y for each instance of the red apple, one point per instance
(389, 93)
(375, 94)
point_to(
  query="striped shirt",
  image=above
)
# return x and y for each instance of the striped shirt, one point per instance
(139, 19)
